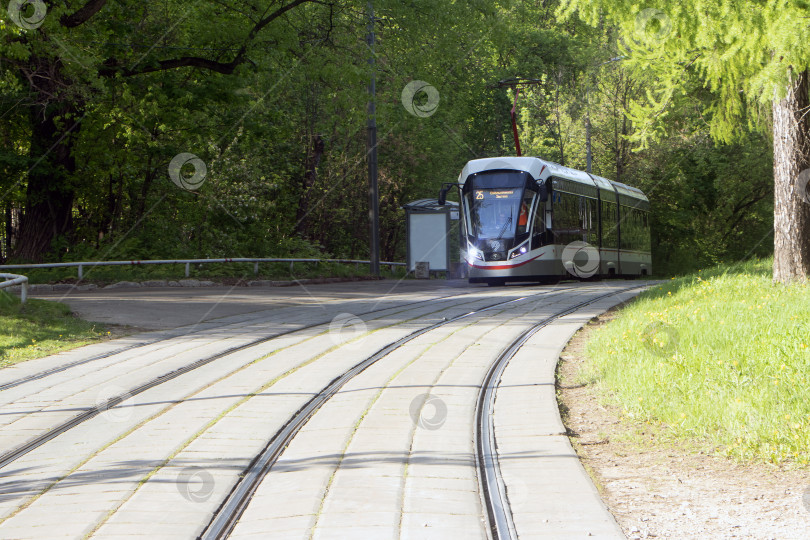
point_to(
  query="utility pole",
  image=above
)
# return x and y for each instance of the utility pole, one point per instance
(588, 154)
(373, 191)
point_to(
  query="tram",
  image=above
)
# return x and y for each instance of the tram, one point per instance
(527, 219)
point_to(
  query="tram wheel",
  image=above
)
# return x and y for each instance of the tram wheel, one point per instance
(496, 282)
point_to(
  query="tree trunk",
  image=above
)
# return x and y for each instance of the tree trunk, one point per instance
(149, 177)
(791, 158)
(49, 197)
(315, 152)
(559, 119)
(623, 146)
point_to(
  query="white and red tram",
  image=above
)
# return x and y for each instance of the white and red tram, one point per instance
(526, 219)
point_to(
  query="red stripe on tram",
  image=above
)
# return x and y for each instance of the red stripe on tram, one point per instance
(505, 266)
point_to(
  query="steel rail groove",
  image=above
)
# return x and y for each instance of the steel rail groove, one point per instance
(101, 356)
(228, 514)
(491, 485)
(9, 457)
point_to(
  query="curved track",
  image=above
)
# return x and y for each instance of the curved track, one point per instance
(492, 485)
(11, 455)
(226, 518)
(165, 337)
(286, 432)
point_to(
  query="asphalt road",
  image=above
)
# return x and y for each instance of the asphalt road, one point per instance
(170, 307)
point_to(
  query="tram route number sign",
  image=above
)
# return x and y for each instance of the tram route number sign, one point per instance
(502, 194)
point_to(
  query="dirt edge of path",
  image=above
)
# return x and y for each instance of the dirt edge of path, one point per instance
(657, 489)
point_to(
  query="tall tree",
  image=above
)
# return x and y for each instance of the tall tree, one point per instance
(62, 57)
(751, 55)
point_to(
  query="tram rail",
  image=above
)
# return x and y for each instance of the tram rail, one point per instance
(179, 333)
(236, 495)
(16, 453)
(492, 487)
(234, 506)
(228, 514)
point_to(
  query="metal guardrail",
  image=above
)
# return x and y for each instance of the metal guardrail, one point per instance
(188, 263)
(14, 279)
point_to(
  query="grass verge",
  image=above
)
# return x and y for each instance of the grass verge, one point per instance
(40, 328)
(720, 358)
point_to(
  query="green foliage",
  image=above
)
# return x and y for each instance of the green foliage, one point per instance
(283, 136)
(719, 358)
(710, 204)
(742, 51)
(255, 129)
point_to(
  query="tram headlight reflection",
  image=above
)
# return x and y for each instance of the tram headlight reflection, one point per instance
(475, 253)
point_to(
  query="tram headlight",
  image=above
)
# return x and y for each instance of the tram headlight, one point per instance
(518, 252)
(475, 253)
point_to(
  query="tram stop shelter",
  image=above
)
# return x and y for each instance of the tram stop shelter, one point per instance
(432, 234)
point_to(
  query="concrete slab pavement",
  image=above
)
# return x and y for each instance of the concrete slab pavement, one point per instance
(363, 467)
(549, 491)
(126, 449)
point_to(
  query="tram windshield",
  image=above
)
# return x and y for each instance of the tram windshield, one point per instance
(495, 203)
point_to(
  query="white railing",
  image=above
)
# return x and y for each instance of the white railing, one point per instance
(189, 262)
(14, 279)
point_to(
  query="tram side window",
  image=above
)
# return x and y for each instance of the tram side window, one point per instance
(635, 229)
(565, 221)
(645, 228)
(587, 215)
(573, 218)
(628, 228)
(610, 235)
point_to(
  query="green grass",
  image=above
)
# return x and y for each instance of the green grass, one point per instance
(720, 359)
(40, 328)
